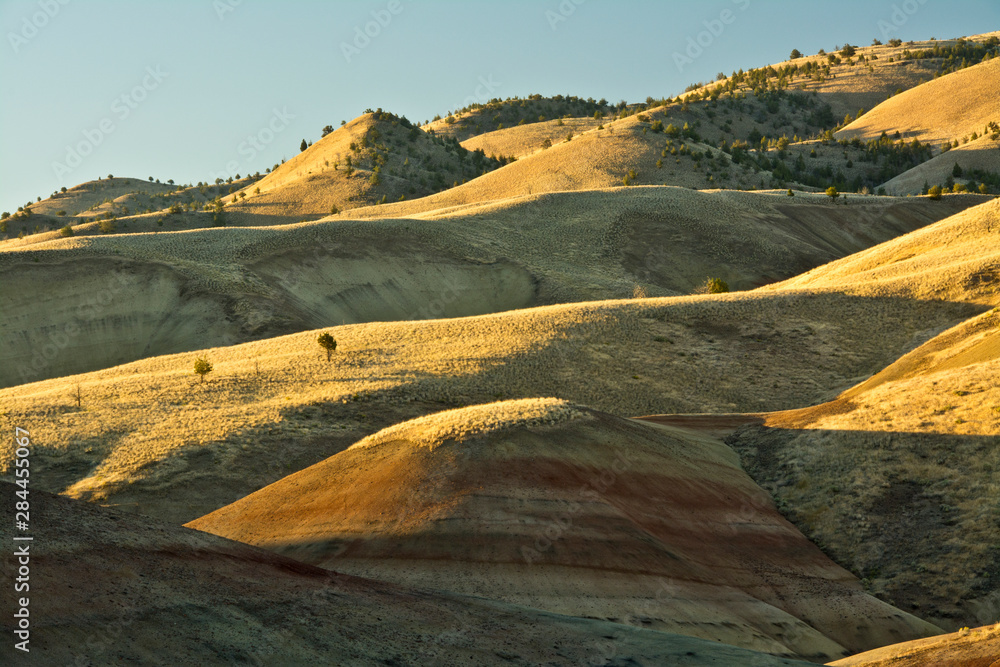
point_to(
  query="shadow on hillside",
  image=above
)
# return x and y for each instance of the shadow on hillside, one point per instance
(914, 515)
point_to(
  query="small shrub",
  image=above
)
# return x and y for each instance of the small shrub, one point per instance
(66, 231)
(715, 286)
(934, 192)
(108, 226)
(202, 367)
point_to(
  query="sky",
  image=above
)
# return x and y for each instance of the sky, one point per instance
(176, 89)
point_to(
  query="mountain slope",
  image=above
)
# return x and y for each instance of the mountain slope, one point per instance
(554, 506)
(120, 588)
(941, 110)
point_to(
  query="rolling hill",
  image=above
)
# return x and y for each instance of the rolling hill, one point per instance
(550, 505)
(121, 588)
(118, 298)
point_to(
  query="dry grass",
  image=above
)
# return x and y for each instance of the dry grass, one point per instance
(978, 646)
(941, 110)
(522, 140)
(982, 153)
(956, 259)
(235, 284)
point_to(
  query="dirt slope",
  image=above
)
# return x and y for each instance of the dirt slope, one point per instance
(110, 588)
(551, 505)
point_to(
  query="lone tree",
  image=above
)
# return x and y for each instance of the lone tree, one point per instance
(795, 54)
(935, 192)
(328, 343)
(832, 193)
(202, 367)
(303, 145)
(715, 286)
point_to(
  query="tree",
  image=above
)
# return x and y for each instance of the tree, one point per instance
(983, 189)
(328, 343)
(848, 51)
(202, 367)
(935, 192)
(956, 171)
(832, 193)
(66, 231)
(715, 286)
(327, 130)
(795, 54)
(303, 145)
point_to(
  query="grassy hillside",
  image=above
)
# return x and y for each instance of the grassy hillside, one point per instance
(118, 298)
(378, 156)
(478, 118)
(977, 646)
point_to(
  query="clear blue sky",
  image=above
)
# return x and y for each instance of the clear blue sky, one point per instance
(173, 89)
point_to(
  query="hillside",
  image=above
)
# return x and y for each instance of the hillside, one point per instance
(120, 588)
(895, 477)
(954, 259)
(546, 504)
(123, 297)
(966, 648)
(945, 109)
(496, 114)
(522, 140)
(377, 156)
(979, 160)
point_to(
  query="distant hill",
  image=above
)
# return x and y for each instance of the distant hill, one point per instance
(497, 114)
(378, 156)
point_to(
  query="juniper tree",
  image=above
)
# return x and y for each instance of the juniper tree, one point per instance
(328, 343)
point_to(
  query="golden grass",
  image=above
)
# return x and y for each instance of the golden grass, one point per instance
(982, 153)
(941, 110)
